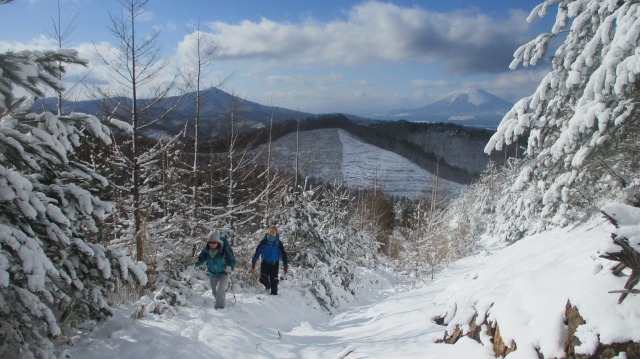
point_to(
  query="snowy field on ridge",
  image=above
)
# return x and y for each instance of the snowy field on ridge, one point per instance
(335, 154)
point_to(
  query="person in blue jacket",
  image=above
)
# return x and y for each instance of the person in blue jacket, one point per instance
(220, 263)
(272, 251)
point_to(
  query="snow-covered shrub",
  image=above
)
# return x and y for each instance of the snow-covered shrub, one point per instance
(323, 242)
(511, 214)
(426, 244)
(469, 215)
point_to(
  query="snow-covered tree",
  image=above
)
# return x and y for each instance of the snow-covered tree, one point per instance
(200, 55)
(323, 240)
(53, 270)
(166, 214)
(341, 246)
(582, 122)
(134, 64)
(29, 70)
(426, 245)
(483, 206)
(295, 211)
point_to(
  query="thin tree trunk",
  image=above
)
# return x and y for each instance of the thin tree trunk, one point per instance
(135, 150)
(268, 192)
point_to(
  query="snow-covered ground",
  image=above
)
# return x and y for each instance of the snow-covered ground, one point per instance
(528, 284)
(334, 154)
(366, 166)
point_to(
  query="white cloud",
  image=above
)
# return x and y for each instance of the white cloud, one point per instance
(288, 80)
(303, 64)
(167, 26)
(426, 83)
(145, 16)
(375, 32)
(41, 42)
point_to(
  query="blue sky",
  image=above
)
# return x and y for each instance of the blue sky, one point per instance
(359, 57)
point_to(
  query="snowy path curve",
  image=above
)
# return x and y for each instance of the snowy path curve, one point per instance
(523, 287)
(256, 325)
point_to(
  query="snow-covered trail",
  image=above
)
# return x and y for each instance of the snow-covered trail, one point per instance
(523, 287)
(382, 324)
(401, 325)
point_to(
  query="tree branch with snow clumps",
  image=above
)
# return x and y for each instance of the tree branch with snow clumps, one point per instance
(30, 70)
(582, 122)
(626, 219)
(53, 274)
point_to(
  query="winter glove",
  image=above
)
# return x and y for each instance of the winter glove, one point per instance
(286, 269)
(227, 269)
(253, 266)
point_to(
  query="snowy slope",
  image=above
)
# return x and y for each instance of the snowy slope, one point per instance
(528, 283)
(334, 154)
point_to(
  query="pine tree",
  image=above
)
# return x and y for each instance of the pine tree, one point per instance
(53, 271)
(582, 121)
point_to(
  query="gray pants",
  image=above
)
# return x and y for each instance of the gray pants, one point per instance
(219, 289)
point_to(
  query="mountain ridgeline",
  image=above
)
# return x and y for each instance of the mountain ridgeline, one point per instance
(175, 112)
(448, 150)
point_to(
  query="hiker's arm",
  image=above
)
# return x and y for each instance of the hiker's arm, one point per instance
(202, 258)
(284, 255)
(257, 254)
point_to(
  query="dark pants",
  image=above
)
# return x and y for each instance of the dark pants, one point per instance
(269, 276)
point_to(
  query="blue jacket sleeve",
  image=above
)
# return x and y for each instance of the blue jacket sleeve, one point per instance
(258, 253)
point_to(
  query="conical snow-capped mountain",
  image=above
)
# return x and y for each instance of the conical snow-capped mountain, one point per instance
(472, 107)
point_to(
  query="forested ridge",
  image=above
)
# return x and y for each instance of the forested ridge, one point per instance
(394, 136)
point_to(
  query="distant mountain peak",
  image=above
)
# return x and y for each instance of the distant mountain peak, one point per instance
(214, 112)
(472, 107)
(473, 96)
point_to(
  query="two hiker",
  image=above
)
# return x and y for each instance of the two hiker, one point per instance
(220, 262)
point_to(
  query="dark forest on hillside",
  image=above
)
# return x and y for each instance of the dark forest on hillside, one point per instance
(398, 137)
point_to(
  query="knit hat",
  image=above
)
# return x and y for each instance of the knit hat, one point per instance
(274, 227)
(214, 236)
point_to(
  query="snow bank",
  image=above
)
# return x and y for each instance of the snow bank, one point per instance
(524, 288)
